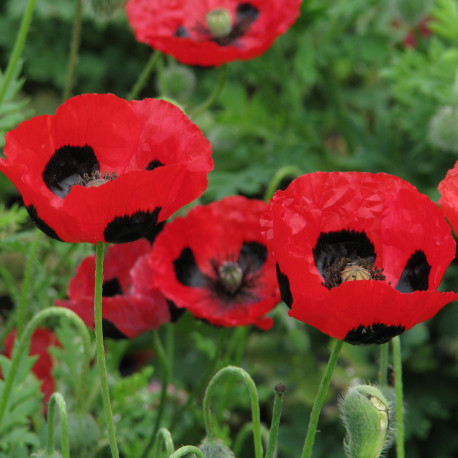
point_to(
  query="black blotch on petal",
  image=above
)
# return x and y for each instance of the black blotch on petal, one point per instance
(246, 13)
(415, 276)
(126, 228)
(66, 166)
(175, 312)
(49, 231)
(181, 32)
(342, 244)
(152, 234)
(377, 333)
(285, 290)
(110, 331)
(111, 288)
(154, 165)
(252, 257)
(187, 271)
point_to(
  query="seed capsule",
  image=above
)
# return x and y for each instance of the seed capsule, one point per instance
(354, 272)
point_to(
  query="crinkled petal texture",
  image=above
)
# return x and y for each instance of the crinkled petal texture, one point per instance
(448, 202)
(400, 229)
(179, 27)
(125, 311)
(106, 170)
(42, 339)
(188, 253)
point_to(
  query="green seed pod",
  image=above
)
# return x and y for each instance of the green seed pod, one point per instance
(219, 22)
(443, 129)
(216, 449)
(365, 412)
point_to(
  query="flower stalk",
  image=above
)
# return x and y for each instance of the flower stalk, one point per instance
(144, 75)
(57, 399)
(396, 342)
(280, 391)
(318, 404)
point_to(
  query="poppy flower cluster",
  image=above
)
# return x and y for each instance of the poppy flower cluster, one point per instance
(359, 256)
(210, 32)
(42, 339)
(106, 170)
(214, 263)
(130, 306)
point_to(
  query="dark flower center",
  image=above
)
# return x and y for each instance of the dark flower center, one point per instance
(230, 275)
(220, 27)
(111, 288)
(95, 179)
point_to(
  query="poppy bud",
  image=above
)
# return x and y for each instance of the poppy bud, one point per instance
(105, 9)
(216, 449)
(366, 415)
(443, 131)
(83, 432)
(177, 82)
(219, 22)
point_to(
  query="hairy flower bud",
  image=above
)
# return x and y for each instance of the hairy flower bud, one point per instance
(443, 129)
(365, 412)
(216, 449)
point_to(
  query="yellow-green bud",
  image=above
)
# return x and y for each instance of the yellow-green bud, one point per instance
(365, 412)
(219, 22)
(216, 449)
(443, 129)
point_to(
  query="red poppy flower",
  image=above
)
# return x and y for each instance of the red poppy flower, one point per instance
(214, 263)
(448, 202)
(104, 169)
(125, 311)
(328, 229)
(42, 339)
(211, 32)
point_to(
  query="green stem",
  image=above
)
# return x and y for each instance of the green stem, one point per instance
(74, 49)
(399, 397)
(167, 440)
(209, 426)
(243, 434)
(283, 172)
(144, 75)
(170, 346)
(383, 376)
(159, 349)
(213, 96)
(57, 398)
(25, 284)
(322, 391)
(100, 350)
(23, 344)
(186, 450)
(18, 46)
(280, 391)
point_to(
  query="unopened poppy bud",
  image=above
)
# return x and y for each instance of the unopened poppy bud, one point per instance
(219, 22)
(443, 129)
(177, 82)
(216, 449)
(366, 415)
(104, 9)
(231, 276)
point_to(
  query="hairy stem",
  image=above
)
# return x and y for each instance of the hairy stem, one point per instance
(57, 398)
(399, 397)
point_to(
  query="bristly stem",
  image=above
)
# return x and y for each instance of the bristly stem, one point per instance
(74, 49)
(399, 396)
(167, 442)
(254, 399)
(280, 174)
(322, 391)
(160, 353)
(186, 450)
(23, 344)
(100, 350)
(144, 75)
(280, 391)
(57, 398)
(25, 284)
(214, 95)
(18, 46)
(383, 376)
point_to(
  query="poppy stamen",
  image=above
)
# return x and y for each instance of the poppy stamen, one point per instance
(95, 178)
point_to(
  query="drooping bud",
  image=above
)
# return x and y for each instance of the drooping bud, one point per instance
(443, 129)
(231, 276)
(366, 414)
(216, 449)
(219, 22)
(105, 9)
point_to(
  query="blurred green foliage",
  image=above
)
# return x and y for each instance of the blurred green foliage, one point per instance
(351, 86)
